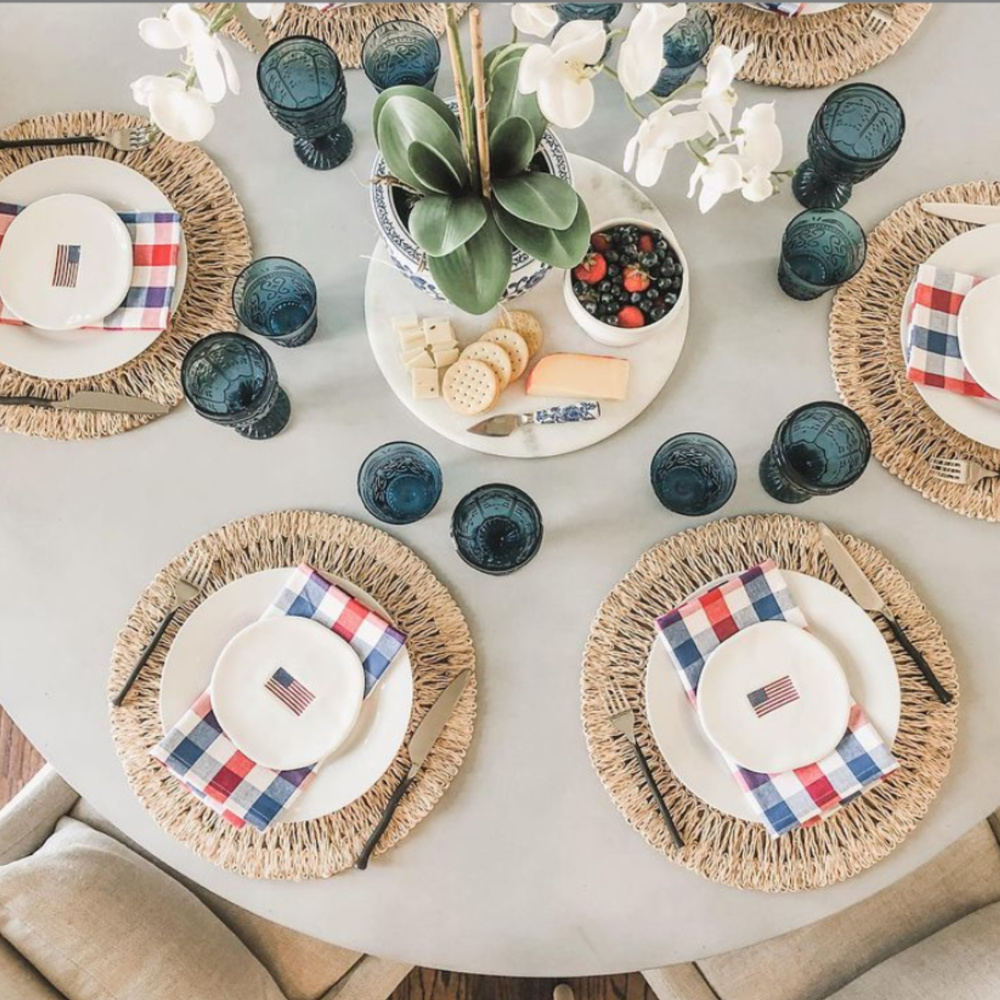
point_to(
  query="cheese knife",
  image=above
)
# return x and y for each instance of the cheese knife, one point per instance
(98, 402)
(978, 215)
(504, 424)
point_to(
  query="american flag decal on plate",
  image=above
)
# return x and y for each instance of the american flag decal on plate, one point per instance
(67, 269)
(773, 696)
(289, 691)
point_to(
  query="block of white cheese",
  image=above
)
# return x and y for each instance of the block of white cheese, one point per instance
(426, 384)
(410, 337)
(579, 376)
(444, 356)
(438, 333)
(420, 357)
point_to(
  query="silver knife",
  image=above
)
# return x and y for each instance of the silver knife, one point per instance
(978, 215)
(867, 597)
(505, 424)
(424, 737)
(99, 402)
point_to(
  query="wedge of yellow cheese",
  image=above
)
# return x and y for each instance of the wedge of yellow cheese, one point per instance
(579, 376)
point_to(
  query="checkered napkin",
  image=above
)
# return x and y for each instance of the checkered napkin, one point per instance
(787, 9)
(788, 799)
(197, 750)
(156, 238)
(934, 358)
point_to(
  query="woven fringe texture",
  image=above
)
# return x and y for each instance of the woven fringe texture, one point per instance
(439, 644)
(814, 50)
(218, 248)
(719, 846)
(867, 355)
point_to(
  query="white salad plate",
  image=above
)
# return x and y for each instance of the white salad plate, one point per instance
(81, 353)
(377, 735)
(388, 294)
(287, 691)
(837, 622)
(821, 8)
(975, 252)
(65, 262)
(979, 334)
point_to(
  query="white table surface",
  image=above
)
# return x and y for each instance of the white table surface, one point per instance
(525, 866)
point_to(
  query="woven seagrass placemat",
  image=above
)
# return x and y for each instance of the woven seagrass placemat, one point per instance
(218, 248)
(813, 50)
(439, 645)
(867, 355)
(722, 847)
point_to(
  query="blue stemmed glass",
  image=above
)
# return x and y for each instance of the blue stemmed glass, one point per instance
(303, 86)
(685, 45)
(605, 12)
(275, 297)
(818, 450)
(401, 52)
(693, 474)
(231, 380)
(821, 248)
(400, 482)
(497, 528)
(856, 132)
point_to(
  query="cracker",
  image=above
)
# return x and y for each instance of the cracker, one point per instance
(470, 387)
(493, 355)
(514, 344)
(527, 325)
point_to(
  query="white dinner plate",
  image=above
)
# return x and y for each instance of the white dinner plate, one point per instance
(821, 8)
(82, 353)
(979, 334)
(975, 252)
(378, 734)
(834, 619)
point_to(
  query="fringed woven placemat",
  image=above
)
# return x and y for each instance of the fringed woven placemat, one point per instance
(722, 847)
(867, 355)
(439, 645)
(813, 50)
(218, 248)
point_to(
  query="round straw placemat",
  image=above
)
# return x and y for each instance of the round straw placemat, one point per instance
(719, 846)
(813, 50)
(867, 355)
(218, 248)
(439, 645)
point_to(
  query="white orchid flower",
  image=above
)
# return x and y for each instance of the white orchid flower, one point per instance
(182, 27)
(640, 58)
(180, 111)
(266, 11)
(718, 99)
(760, 149)
(721, 174)
(560, 73)
(536, 19)
(657, 135)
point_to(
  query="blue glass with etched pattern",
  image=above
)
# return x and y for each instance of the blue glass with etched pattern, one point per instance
(693, 474)
(400, 482)
(275, 297)
(497, 529)
(821, 248)
(685, 45)
(400, 53)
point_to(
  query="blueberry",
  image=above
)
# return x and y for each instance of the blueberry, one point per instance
(670, 299)
(614, 270)
(635, 298)
(657, 312)
(579, 287)
(612, 256)
(604, 286)
(649, 260)
(675, 284)
(653, 293)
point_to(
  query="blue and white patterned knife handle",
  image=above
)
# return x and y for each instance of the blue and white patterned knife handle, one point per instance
(572, 413)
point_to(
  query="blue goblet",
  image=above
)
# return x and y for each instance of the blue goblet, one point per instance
(605, 12)
(302, 84)
(693, 474)
(821, 248)
(400, 482)
(401, 52)
(231, 380)
(275, 297)
(497, 529)
(684, 47)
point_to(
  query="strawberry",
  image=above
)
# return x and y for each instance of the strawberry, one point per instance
(635, 279)
(631, 317)
(600, 241)
(646, 244)
(592, 270)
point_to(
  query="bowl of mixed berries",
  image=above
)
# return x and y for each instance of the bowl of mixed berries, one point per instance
(631, 284)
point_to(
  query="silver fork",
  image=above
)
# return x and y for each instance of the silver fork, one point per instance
(190, 584)
(623, 720)
(960, 471)
(125, 140)
(879, 20)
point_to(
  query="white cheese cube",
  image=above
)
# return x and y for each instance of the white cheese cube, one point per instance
(444, 356)
(419, 358)
(425, 383)
(401, 322)
(438, 332)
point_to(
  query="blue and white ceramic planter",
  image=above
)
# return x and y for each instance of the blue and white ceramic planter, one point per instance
(526, 272)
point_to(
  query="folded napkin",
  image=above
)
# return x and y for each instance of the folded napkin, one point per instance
(934, 358)
(788, 799)
(156, 240)
(200, 754)
(787, 9)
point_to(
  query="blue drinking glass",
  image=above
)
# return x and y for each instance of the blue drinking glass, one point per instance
(401, 52)
(856, 132)
(818, 450)
(400, 482)
(497, 528)
(275, 297)
(605, 12)
(685, 45)
(231, 380)
(821, 248)
(303, 87)
(693, 474)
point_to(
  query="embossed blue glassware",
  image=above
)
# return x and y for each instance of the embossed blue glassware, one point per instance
(818, 450)
(275, 297)
(856, 131)
(605, 12)
(303, 87)
(231, 380)
(684, 47)
(497, 528)
(821, 248)
(401, 52)
(693, 474)
(400, 482)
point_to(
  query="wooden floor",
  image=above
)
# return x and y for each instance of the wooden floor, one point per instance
(19, 761)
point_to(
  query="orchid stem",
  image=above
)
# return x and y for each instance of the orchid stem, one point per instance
(479, 83)
(461, 90)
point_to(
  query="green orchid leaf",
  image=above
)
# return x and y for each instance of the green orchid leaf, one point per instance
(512, 147)
(474, 276)
(435, 172)
(406, 120)
(495, 58)
(506, 101)
(440, 225)
(538, 198)
(561, 248)
(421, 94)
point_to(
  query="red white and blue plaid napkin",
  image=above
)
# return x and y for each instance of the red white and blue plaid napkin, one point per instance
(787, 9)
(200, 754)
(789, 799)
(156, 240)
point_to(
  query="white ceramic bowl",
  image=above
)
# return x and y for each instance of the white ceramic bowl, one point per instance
(615, 336)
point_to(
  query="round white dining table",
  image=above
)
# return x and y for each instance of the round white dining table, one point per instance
(525, 867)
